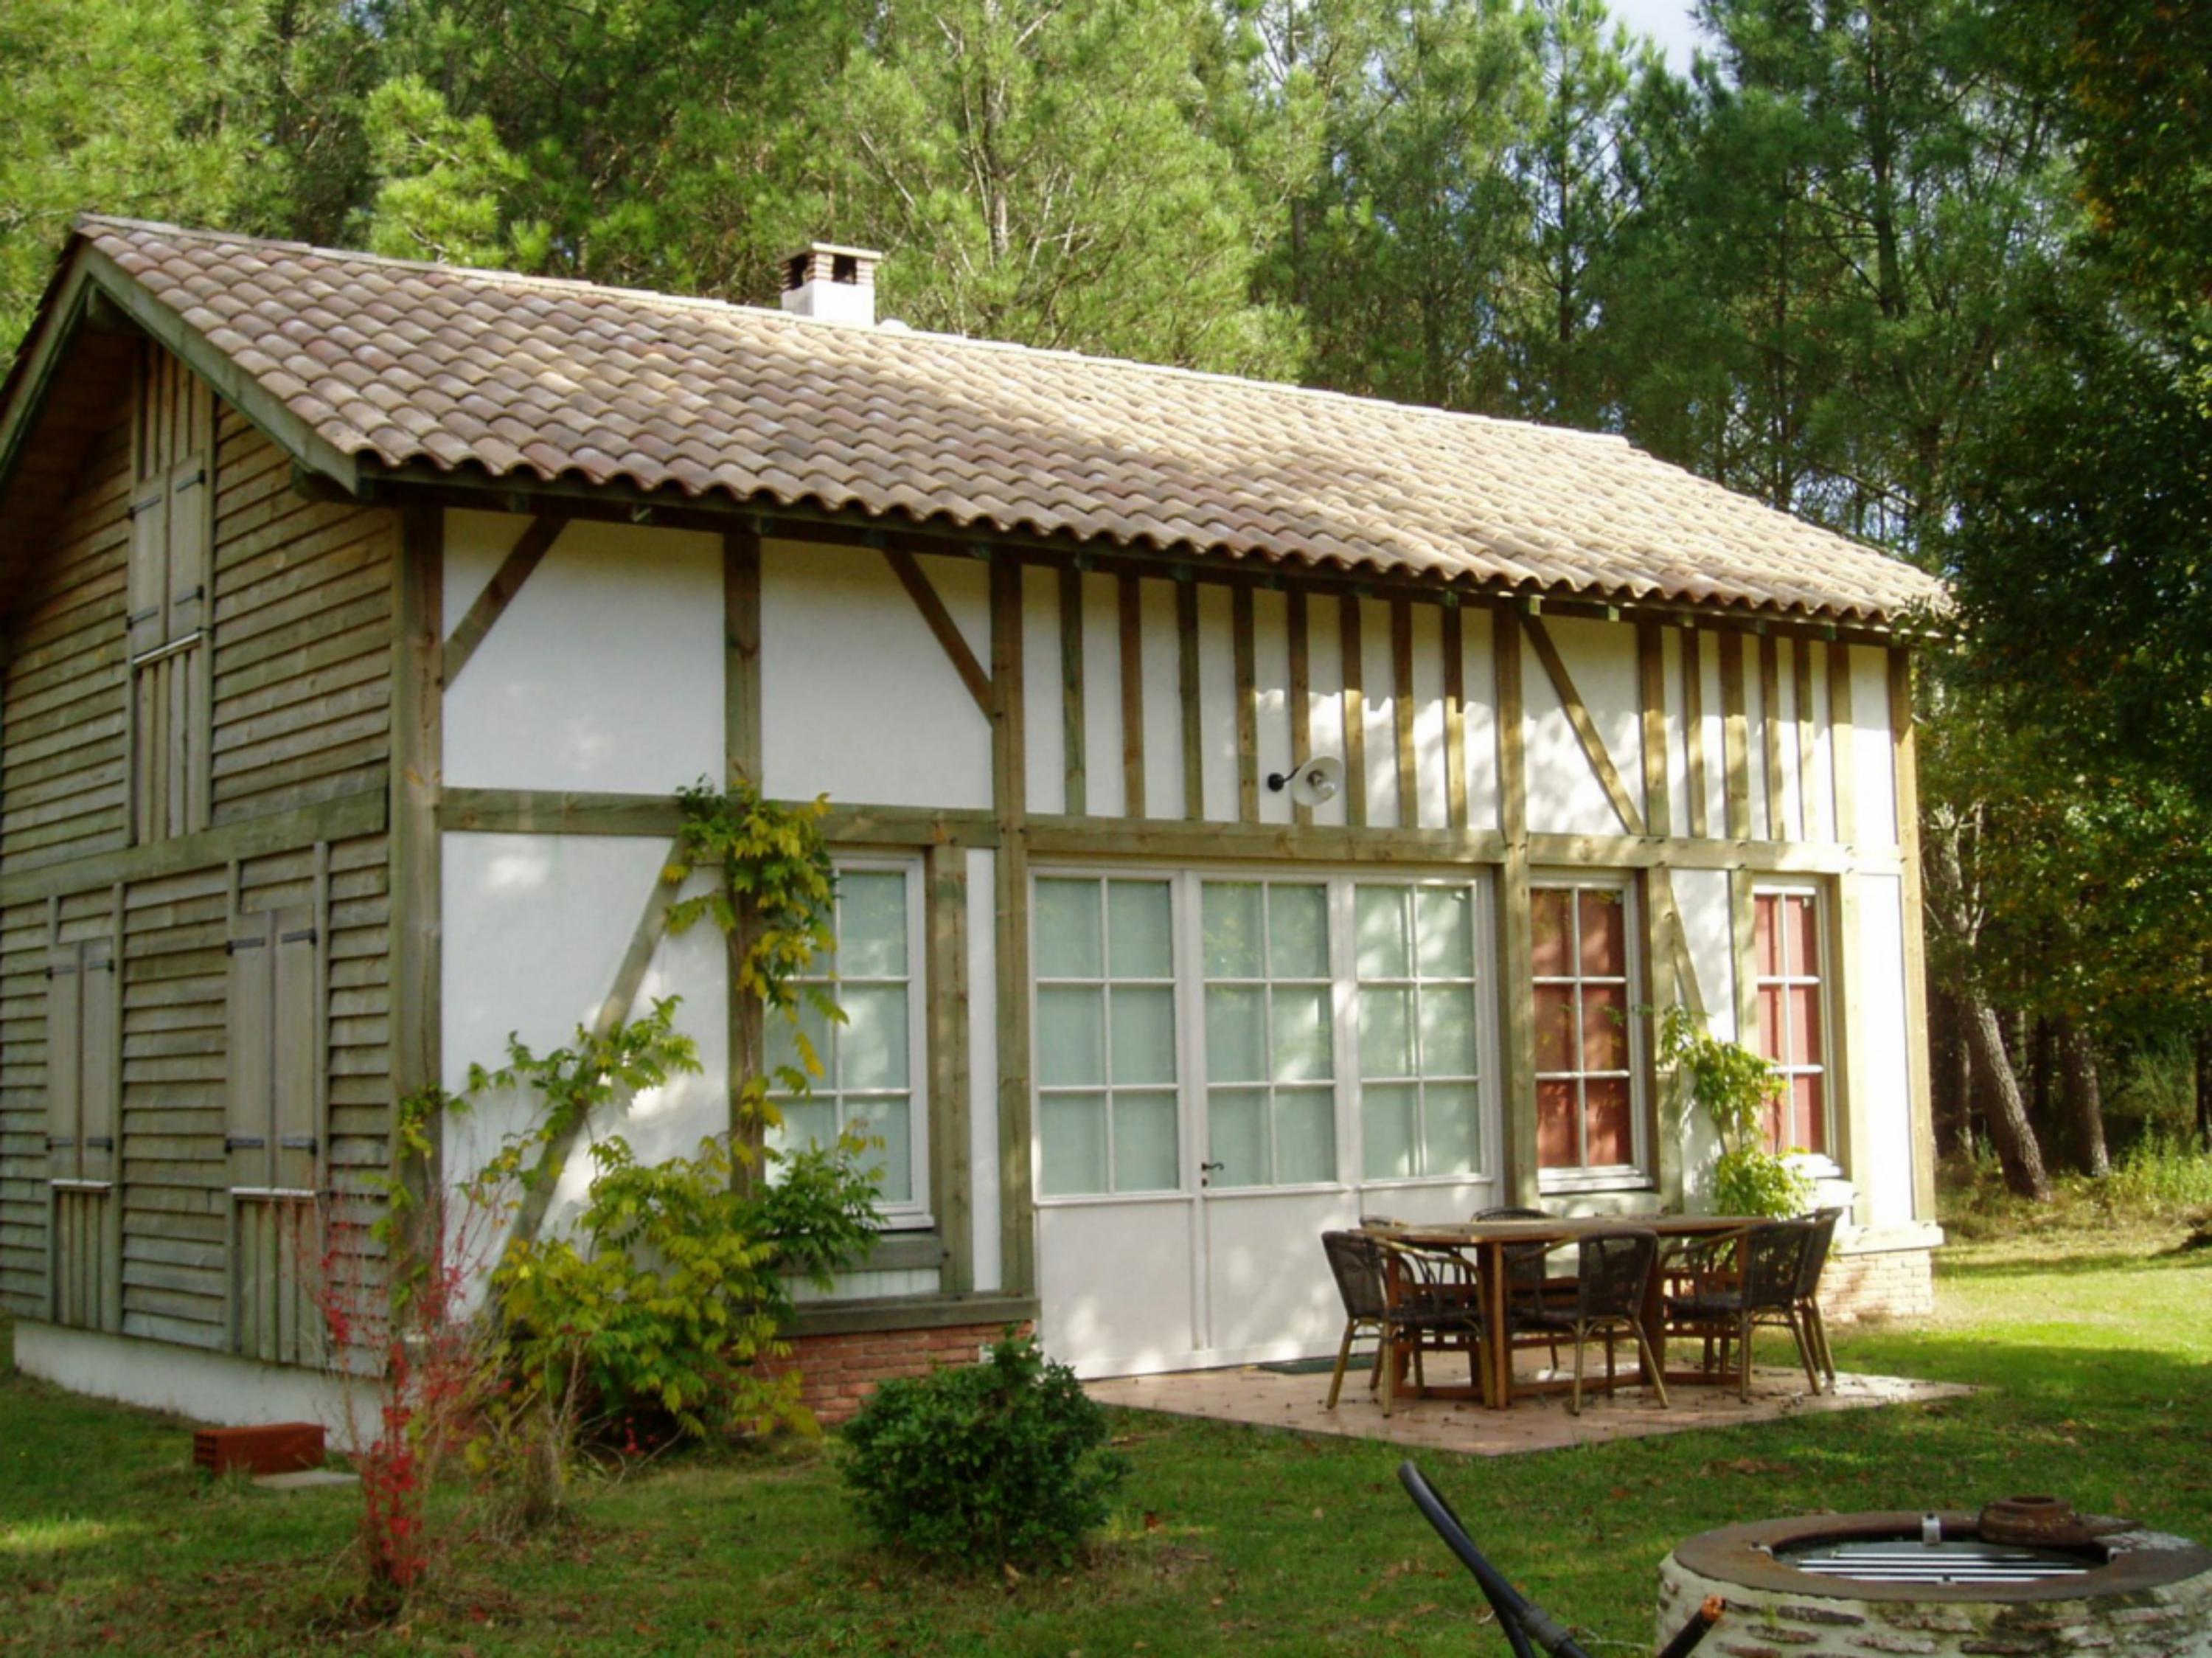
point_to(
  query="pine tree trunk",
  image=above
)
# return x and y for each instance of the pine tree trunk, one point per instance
(2085, 1100)
(2010, 1131)
(2204, 1089)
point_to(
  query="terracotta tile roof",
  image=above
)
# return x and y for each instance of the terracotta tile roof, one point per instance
(395, 363)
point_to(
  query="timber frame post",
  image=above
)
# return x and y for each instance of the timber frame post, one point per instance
(417, 778)
(1516, 942)
(1010, 795)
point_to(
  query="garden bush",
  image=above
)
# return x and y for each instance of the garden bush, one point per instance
(998, 1463)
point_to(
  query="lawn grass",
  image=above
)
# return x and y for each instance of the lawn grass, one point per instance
(2092, 1351)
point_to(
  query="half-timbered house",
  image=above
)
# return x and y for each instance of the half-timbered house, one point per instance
(360, 618)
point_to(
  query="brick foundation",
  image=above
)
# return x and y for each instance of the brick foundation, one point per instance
(837, 1373)
(1875, 1276)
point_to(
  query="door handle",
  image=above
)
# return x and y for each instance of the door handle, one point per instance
(1206, 1171)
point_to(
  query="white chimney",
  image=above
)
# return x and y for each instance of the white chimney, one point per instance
(837, 285)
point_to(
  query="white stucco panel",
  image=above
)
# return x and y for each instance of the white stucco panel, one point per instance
(1564, 795)
(858, 699)
(605, 670)
(1271, 698)
(1883, 1079)
(1102, 777)
(1873, 761)
(1044, 703)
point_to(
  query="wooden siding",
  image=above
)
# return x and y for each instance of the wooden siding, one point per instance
(303, 636)
(295, 714)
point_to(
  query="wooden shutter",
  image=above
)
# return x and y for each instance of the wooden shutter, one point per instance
(99, 1102)
(297, 1059)
(65, 1065)
(148, 616)
(251, 1124)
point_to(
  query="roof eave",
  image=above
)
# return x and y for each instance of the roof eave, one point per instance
(84, 275)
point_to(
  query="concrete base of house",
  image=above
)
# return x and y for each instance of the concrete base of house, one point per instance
(1885, 1273)
(218, 1388)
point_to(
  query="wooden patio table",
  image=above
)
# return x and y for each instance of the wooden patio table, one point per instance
(1488, 1241)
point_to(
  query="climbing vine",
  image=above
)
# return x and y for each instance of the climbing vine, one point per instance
(1732, 1085)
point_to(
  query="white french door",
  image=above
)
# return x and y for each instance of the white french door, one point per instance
(1228, 1064)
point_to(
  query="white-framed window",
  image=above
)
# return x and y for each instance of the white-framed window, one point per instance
(1288, 1029)
(1589, 1118)
(874, 1080)
(1420, 1079)
(1270, 1032)
(1789, 958)
(1107, 1054)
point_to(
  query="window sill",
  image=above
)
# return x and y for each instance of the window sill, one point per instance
(1577, 1182)
(903, 1252)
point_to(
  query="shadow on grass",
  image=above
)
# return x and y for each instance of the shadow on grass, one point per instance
(2060, 1264)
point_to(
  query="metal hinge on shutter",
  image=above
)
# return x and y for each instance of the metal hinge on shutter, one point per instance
(61, 1143)
(99, 1143)
(305, 935)
(61, 970)
(295, 1142)
(146, 501)
(237, 944)
(244, 1143)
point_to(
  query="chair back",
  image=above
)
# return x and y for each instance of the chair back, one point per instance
(1612, 1269)
(1823, 1223)
(1357, 1260)
(1773, 1262)
(1381, 1220)
(1524, 1262)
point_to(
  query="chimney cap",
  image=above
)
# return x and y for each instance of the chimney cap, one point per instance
(831, 282)
(872, 255)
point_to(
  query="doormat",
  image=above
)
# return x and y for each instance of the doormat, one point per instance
(1315, 1367)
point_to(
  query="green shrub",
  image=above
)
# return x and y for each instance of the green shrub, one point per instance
(993, 1463)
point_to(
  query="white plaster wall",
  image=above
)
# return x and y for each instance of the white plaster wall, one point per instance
(1872, 777)
(1271, 681)
(1787, 711)
(983, 1069)
(1715, 736)
(1325, 698)
(1820, 787)
(1378, 676)
(1883, 1172)
(1476, 646)
(605, 670)
(1163, 701)
(1043, 699)
(535, 928)
(1432, 809)
(1102, 698)
(1217, 701)
(1754, 714)
(1679, 731)
(1564, 795)
(1702, 897)
(858, 699)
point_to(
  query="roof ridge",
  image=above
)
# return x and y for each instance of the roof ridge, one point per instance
(780, 317)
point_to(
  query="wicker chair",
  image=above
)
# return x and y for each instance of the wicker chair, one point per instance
(1529, 1287)
(1823, 1222)
(1434, 1309)
(1612, 1271)
(1773, 1254)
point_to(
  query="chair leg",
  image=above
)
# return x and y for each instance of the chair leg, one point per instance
(1343, 1358)
(1652, 1373)
(1805, 1352)
(1389, 1370)
(1575, 1403)
(1743, 1359)
(1819, 1323)
(1420, 1371)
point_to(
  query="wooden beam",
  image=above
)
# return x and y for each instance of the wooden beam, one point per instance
(1294, 605)
(1169, 838)
(1651, 686)
(1355, 713)
(741, 655)
(364, 812)
(1188, 685)
(1736, 737)
(1402, 699)
(1516, 943)
(1454, 650)
(1743, 949)
(1130, 599)
(1770, 726)
(1585, 728)
(528, 552)
(1843, 744)
(1660, 991)
(1808, 806)
(952, 1172)
(1011, 867)
(1242, 650)
(955, 642)
(555, 812)
(1905, 754)
(1850, 1107)
(1073, 729)
(416, 899)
